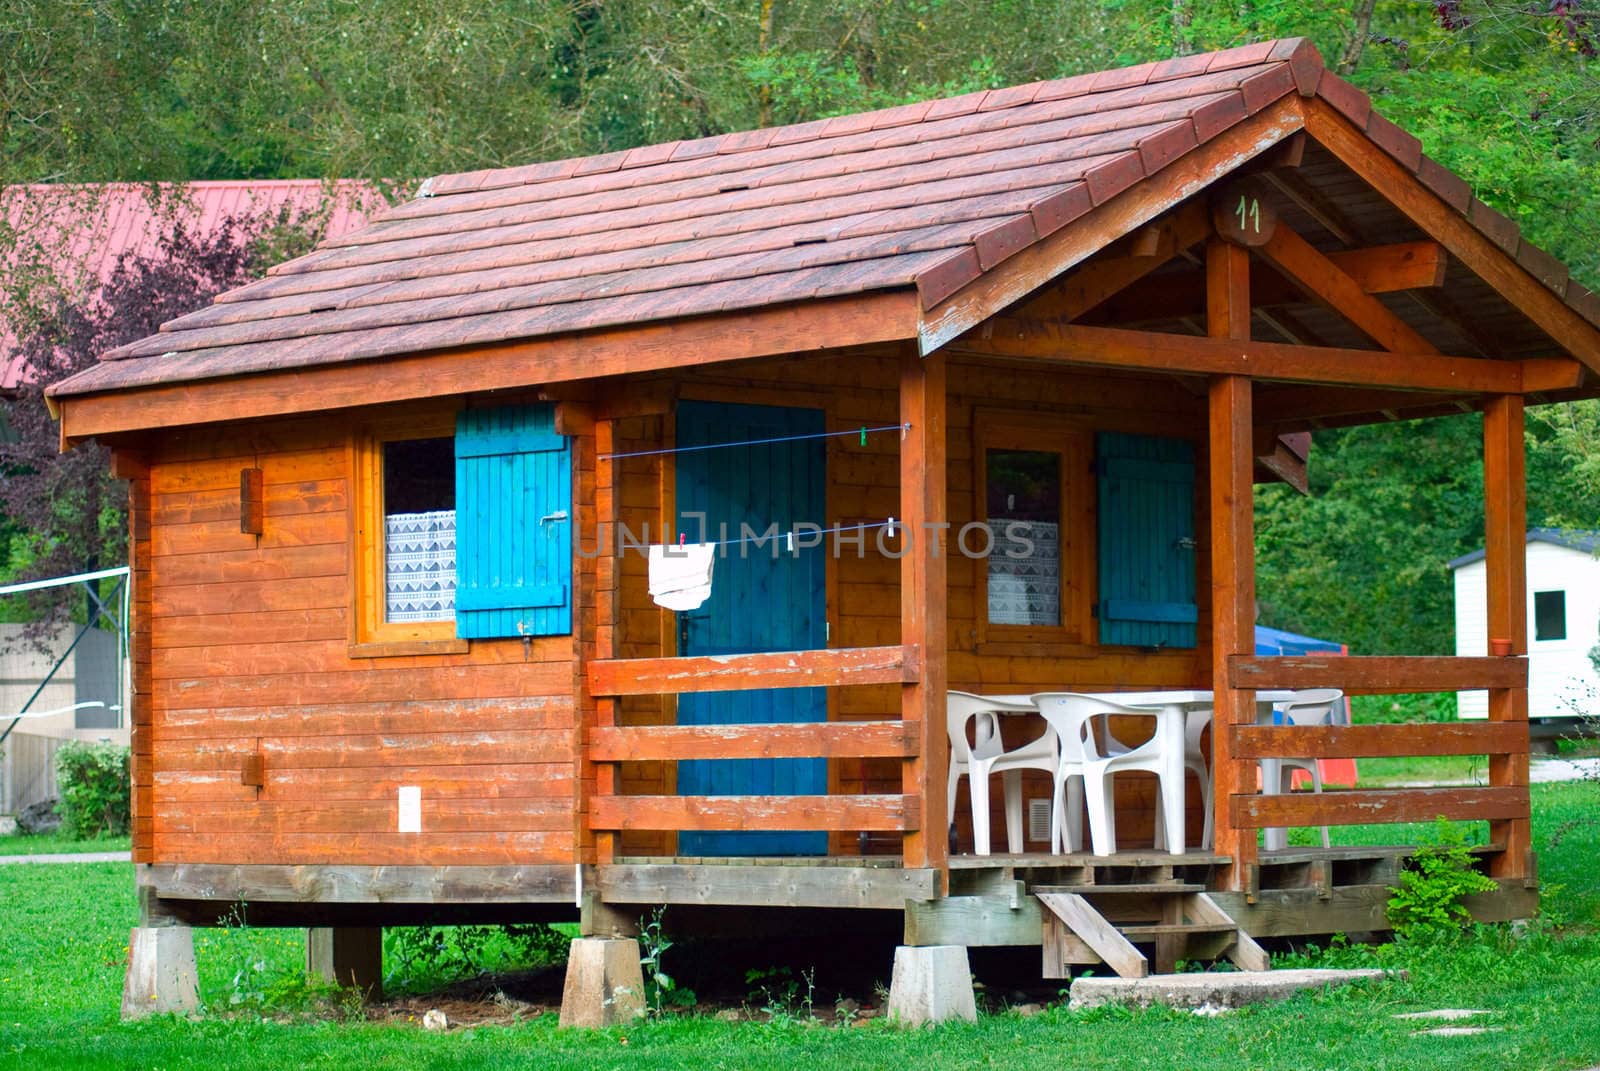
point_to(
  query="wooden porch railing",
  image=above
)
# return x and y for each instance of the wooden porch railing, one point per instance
(1500, 801)
(837, 667)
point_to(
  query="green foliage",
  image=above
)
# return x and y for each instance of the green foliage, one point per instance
(661, 990)
(1409, 708)
(261, 978)
(62, 964)
(1427, 902)
(778, 992)
(424, 957)
(95, 788)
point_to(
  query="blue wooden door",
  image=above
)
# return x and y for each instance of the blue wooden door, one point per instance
(1147, 543)
(763, 598)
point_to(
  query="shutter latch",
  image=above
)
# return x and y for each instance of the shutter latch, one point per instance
(552, 518)
(1184, 543)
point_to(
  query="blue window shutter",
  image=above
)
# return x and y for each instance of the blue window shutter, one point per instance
(513, 524)
(1147, 546)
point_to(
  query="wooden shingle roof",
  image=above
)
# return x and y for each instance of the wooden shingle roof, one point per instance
(927, 196)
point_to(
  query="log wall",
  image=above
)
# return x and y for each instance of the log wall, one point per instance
(249, 648)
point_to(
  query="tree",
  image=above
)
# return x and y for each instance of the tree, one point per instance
(66, 512)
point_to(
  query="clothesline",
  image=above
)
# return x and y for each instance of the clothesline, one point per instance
(788, 537)
(863, 432)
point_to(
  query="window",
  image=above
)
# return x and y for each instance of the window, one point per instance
(463, 530)
(1093, 535)
(406, 533)
(1024, 492)
(1032, 479)
(419, 536)
(1549, 615)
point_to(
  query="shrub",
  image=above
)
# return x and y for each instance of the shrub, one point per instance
(95, 790)
(1439, 876)
(425, 957)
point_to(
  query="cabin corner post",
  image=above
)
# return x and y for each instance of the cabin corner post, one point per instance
(1505, 571)
(600, 637)
(1233, 576)
(923, 601)
(135, 468)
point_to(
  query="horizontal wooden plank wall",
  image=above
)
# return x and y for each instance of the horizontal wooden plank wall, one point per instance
(250, 658)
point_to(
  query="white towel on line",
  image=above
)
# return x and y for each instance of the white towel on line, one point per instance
(680, 576)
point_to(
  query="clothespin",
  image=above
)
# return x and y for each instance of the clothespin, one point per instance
(904, 428)
(891, 527)
(790, 547)
(682, 539)
(863, 435)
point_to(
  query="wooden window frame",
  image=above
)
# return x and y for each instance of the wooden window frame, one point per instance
(1073, 440)
(370, 635)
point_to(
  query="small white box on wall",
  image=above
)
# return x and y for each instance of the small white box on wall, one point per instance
(410, 809)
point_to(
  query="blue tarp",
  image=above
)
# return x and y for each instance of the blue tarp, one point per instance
(1275, 641)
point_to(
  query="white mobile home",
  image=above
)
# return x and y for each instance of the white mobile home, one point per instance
(1563, 622)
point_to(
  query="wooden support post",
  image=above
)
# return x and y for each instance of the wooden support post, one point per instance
(923, 598)
(1233, 578)
(1505, 569)
(608, 578)
(347, 956)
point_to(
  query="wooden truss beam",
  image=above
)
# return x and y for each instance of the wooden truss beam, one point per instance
(1327, 284)
(1381, 269)
(1160, 352)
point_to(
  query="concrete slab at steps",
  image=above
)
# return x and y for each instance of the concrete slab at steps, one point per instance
(1226, 989)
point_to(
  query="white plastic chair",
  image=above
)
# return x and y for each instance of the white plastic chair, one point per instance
(985, 754)
(1312, 706)
(1195, 724)
(1072, 716)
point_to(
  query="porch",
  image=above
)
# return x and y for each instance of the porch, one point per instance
(885, 742)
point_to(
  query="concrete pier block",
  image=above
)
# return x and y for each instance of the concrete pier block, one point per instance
(931, 985)
(161, 973)
(605, 985)
(348, 956)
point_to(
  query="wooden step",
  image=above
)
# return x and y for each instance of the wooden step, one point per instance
(1171, 929)
(1140, 889)
(1076, 932)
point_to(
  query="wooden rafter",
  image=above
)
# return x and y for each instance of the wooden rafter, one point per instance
(1460, 238)
(1329, 216)
(1103, 277)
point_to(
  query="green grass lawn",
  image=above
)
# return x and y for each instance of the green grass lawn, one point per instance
(59, 843)
(66, 933)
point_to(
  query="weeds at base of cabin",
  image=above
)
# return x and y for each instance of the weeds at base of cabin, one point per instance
(776, 991)
(1437, 879)
(427, 957)
(661, 992)
(262, 980)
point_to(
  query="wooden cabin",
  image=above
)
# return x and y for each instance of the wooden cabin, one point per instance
(397, 659)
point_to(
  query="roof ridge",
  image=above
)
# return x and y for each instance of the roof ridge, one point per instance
(1289, 49)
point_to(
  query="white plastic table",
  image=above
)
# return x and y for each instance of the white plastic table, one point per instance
(1170, 709)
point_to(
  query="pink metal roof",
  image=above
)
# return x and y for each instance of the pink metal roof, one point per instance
(926, 196)
(79, 232)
